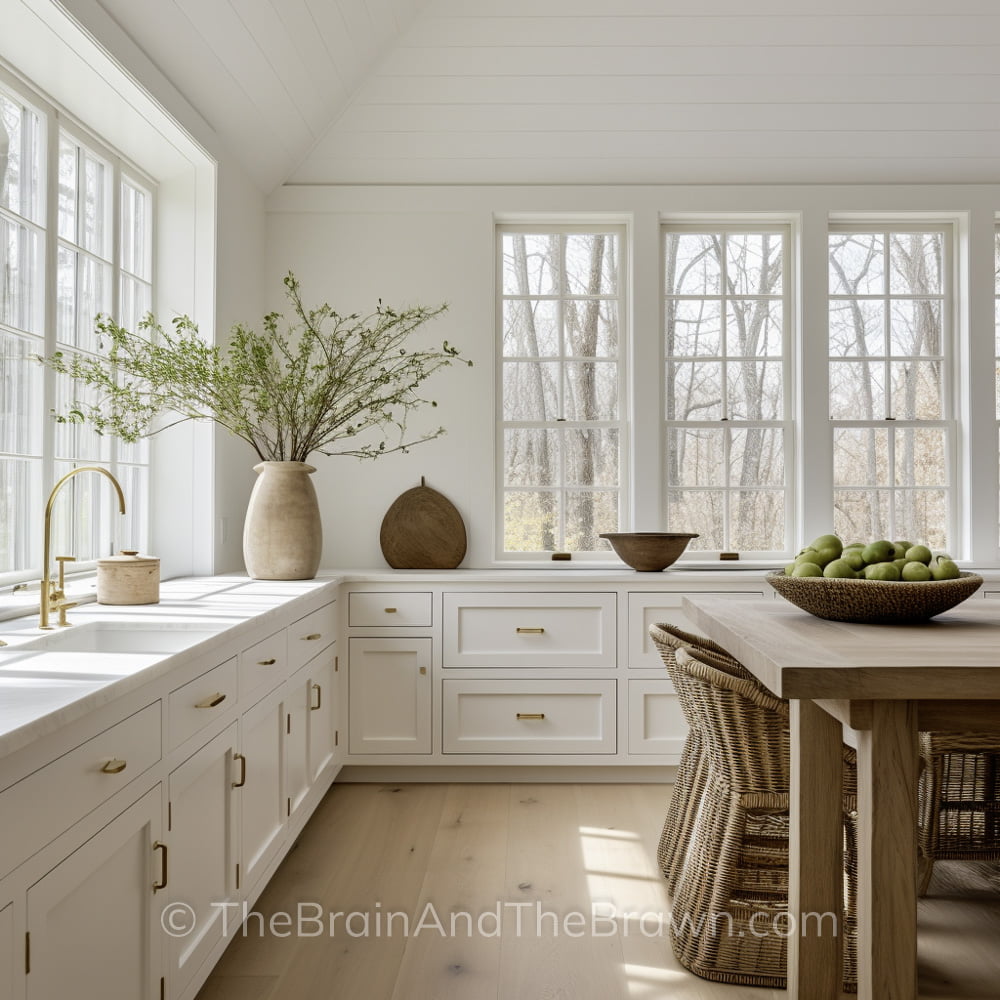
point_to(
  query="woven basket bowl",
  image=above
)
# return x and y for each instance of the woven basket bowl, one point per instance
(648, 551)
(873, 602)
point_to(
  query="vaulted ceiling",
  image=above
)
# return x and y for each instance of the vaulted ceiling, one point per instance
(587, 91)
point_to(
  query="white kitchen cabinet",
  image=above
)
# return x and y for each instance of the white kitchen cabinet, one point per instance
(298, 779)
(389, 685)
(260, 786)
(201, 832)
(324, 703)
(656, 724)
(94, 919)
(7, 952)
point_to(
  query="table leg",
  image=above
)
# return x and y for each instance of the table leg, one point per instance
(815, 876)
(887, 853)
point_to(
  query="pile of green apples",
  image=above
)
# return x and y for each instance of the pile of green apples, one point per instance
(882, 560)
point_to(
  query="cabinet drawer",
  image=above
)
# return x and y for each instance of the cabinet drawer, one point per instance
(310, 635)
(367, 610)
(522, 717)
(656, 609)
(529, 630)
(656, 724)
(264, 665)
(44, 804)
(199, 702)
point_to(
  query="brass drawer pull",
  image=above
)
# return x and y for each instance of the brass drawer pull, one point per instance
(162, 884)
(243, 770)
(530, 631)
(423, 671)
(267, 663)
(390, 611)
(314, 636)
(319, 699)
(531, 715)
(114, 766)
(212, 700)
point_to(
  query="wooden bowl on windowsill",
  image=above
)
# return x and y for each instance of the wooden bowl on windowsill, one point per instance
(648, 551)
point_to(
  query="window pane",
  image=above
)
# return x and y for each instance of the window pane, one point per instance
(756, 458)
(754, 263)
(95, 297)
(76, 440)
(530, 390)
(758, 520)
(530, 264)
(591, 328)
(20, 159)
(530, 522)
(695, 456)
(693, 328)
(135, 301)
(134, 480)
(694, 390)
(755, 390)
(857, 328)
(861, 457)
(20, 491)
(591, 391)
(701, 511)
(915, 262)
(923, 515)
(916, 390)
(592, 457)
(136, 212)
(591, 264)
(920, 457)
(531, 457)
(857, 264)
(857, 390)
(96, 222)
(588, 513)
(693, 265)
(20, 391)
(21, 277)
(530, 328)
(68, 159)
(754, 328)
(861, 514)
(915, 328)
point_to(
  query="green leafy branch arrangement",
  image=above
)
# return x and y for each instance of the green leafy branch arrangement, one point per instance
(299, 387)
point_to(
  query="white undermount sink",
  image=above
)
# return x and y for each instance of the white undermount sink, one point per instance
(124, 637)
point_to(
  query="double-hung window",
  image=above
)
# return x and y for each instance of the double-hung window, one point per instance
(562, 431)
(75, 241)
(726, 325)
(890, 404)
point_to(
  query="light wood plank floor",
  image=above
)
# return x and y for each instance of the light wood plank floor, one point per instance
(372, 851)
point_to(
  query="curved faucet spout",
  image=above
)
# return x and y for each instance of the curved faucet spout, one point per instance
(55, 598)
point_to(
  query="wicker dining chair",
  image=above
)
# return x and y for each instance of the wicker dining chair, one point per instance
(733, 866)
(959, 799)
(689, 780)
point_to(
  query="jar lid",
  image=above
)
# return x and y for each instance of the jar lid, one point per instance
(128, 557)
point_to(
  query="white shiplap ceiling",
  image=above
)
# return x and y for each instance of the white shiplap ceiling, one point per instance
(588, 91)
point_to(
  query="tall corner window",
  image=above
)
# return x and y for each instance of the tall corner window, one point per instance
(890, 406)
(71, 208)
(727, 417)
(561, 425)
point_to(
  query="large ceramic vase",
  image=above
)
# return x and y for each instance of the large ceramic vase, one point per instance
(283, 536)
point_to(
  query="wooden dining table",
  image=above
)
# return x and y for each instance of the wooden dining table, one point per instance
(885, 683)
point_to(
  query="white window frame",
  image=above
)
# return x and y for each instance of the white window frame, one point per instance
(618, 228)
(949, 420)
(725, 226)
(54, 121)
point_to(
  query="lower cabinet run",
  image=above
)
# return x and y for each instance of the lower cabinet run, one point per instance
(93, 922)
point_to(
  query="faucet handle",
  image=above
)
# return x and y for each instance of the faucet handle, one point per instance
(62, 560)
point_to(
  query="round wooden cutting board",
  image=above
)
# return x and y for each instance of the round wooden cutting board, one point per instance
(423, 530)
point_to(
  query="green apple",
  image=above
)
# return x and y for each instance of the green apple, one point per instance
(916, 571)
(789, 568)
(945, 569)
(807, 569)
(839, 569)
(901, 562)
(918, 553)
(882, 571)
(901, 548)
(809, 556)
(880, 551)
(826, 555)
(853, 558)
(828, 542)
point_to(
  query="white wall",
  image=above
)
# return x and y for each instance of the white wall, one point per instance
(350, 245)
